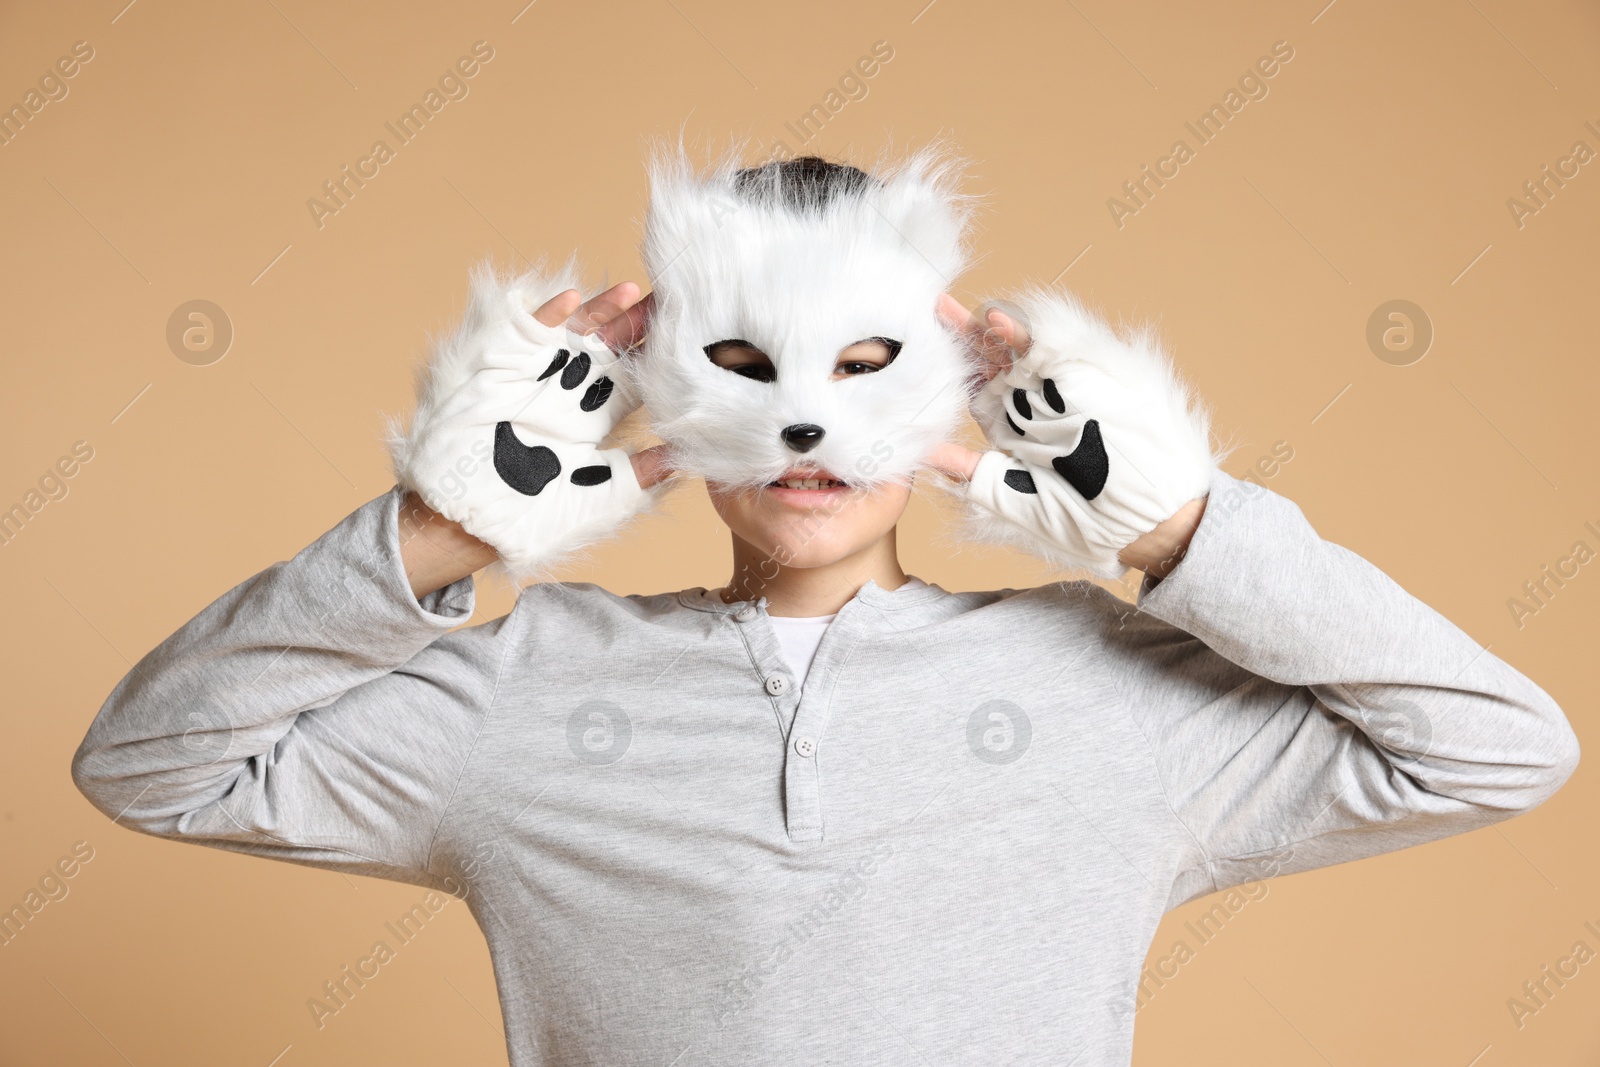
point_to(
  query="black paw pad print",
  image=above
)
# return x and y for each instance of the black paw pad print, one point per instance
(1021, 481)
(591, 475)
(596, 395)
(529, 468)
(525, 468)
(573, 374)
(1085, 469)
(556, 364)
(1019, 400)
(1087, 466)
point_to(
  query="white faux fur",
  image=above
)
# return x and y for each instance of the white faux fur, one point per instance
(486, 371)
(802, 285)
(1155, 428)
(454, 357)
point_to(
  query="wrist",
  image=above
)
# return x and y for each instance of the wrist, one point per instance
(436, 551)
(1162, 549)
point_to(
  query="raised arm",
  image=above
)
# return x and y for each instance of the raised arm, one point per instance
(321, 711)
(1301, 708)
(317, 712)
(1305, 710)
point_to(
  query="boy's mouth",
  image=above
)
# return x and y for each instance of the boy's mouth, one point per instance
(811, 481)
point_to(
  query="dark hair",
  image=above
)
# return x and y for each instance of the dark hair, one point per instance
(801, 183)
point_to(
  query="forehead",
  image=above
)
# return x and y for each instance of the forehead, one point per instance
(835, 284)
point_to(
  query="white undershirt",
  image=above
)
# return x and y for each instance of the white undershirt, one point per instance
(799, 637)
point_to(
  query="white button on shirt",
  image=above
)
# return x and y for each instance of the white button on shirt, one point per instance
(799, 637)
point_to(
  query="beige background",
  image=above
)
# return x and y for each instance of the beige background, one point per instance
(1378, 167)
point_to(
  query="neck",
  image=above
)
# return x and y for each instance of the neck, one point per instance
(804, 592)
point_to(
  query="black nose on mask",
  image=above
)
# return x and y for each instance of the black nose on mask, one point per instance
(802, 436)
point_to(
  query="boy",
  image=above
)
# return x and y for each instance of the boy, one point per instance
(830, 813)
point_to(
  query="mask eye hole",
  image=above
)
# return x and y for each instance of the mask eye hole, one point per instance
(866, 356)
(742, 358)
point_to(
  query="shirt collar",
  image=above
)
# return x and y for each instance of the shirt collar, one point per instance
(914, 591)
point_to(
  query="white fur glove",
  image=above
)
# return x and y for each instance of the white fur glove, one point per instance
(509, 421)
(1105, 442)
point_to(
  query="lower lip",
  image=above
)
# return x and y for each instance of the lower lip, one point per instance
(805, 496)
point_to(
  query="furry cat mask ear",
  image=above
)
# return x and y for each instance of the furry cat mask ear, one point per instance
(801, 260)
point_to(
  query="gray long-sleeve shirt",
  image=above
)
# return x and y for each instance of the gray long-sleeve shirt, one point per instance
(953, 847)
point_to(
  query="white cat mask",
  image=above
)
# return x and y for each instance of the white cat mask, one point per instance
(801, 277)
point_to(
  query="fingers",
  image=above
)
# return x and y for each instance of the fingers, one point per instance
(618, 315)
(628, 329)
(1012, 332)
(991, 339)
(955, 315)
(650, 466)
(958, 461)
(559, 308)
(595, 313)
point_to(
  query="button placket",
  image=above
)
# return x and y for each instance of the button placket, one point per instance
(771, 669)
(802, 770)
(802, 716)
(803, 711)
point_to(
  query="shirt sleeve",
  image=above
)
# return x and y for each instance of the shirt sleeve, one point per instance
(317, 713)
(1303, 710)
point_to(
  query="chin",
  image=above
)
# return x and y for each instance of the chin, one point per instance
(808, 554)
(811, 528)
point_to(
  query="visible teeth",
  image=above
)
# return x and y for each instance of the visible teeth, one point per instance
(809, 483)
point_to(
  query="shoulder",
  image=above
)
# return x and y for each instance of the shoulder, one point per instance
(1064, 610)
(1081, 599)
(581, 604)
(1084, 614)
